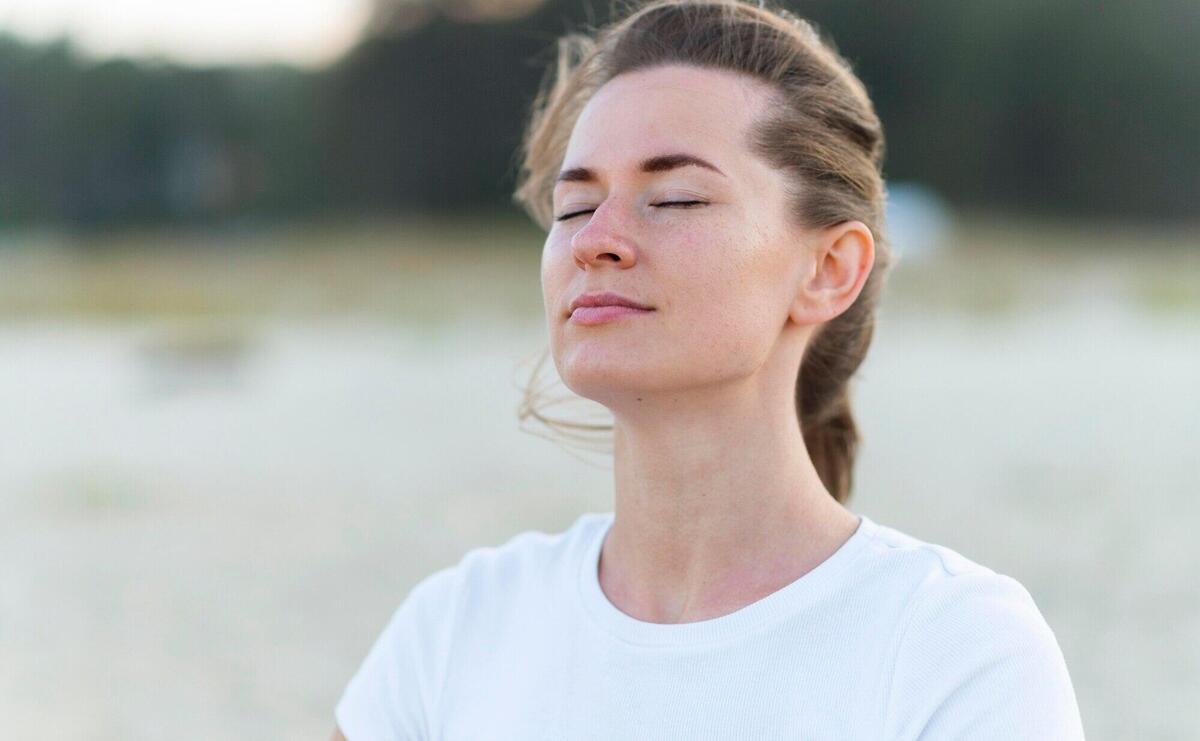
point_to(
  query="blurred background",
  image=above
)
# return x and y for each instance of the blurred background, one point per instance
(266, 310)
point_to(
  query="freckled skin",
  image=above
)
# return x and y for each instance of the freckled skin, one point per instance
(720, 275)
(717, 502)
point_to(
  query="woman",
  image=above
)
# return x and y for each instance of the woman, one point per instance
(709, 176)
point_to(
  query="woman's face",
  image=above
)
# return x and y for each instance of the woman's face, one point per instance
(720, 275)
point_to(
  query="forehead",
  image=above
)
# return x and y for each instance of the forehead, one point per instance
(706, 112)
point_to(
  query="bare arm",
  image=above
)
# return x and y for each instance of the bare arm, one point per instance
(337, 735)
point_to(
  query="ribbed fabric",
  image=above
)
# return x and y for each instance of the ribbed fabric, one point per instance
(889, 638)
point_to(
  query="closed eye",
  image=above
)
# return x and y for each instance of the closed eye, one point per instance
(682, 204)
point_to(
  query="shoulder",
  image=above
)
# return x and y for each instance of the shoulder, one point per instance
(932, 583)
(972, 653)
(397, 689)
(918, 558)
(957, 617)
(946, 593)
(528, 556)
(488, 584)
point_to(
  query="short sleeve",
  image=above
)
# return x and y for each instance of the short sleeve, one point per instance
(977, 660)
(393, 695)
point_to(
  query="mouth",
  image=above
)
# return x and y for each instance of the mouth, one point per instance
(588, 315)
(604, 298)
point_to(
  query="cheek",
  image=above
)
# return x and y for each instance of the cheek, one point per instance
(553, 272)
(724, 302)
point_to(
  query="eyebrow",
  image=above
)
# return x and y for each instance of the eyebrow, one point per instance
(659, 163)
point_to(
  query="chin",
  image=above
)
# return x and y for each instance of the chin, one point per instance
(600, 381)
(615, 383)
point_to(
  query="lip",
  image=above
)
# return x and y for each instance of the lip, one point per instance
(601, 314)
(605, 298)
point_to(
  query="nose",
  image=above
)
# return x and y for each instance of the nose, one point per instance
(604, 239)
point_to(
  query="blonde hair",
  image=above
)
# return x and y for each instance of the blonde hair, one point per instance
(822, 132)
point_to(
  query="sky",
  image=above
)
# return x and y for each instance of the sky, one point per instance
(203, 32)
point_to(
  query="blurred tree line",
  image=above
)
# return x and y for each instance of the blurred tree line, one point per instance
(1049, 106)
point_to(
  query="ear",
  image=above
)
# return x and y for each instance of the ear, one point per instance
(840, 259)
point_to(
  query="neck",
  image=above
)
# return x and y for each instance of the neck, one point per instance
(715, 508)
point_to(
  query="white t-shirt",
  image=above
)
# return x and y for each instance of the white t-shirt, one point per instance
(889, 638)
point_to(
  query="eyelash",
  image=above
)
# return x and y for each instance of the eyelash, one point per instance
(688, 204)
